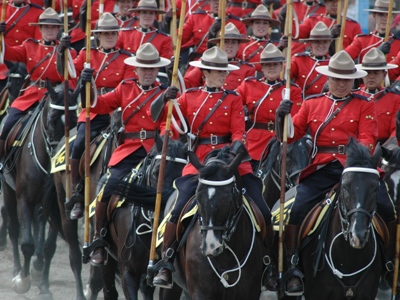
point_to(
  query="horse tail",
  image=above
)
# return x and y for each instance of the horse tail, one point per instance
(51, 209)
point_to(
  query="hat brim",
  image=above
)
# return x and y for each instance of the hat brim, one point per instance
(315, 39)
(131, 61)
(198, 64)
(382, 11)
(217, 40)
(46, 23)
(324, 70)
(248, 21)
(106, 30)
(269, 62)
(138, 9)
(387, 67)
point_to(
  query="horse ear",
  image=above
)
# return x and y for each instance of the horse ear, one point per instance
(377, 154)
(236, 162)
(195, 160)
(159, 142)
(50, 89)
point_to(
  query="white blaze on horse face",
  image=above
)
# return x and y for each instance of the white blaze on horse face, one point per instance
(211, 246)
(211, 193)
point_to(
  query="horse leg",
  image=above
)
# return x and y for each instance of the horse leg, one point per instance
(3, 228)
(49, 249)
(39, 229)
(130, 281)
(108, 272)
(95, 283)
(171, 294)
(147, 291)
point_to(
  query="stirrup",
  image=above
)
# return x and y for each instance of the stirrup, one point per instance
(293, 272)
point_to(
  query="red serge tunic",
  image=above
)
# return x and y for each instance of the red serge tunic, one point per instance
(362, 43)
(133, 38)
(302, 70)
(357, 119)
(112, 74)
(253, 90)
(31, 52)
(128, 95)
(387, 103)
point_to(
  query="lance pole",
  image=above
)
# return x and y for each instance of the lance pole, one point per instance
(222, 16)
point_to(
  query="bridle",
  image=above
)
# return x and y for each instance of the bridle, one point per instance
(235, 207)
(345, 214)
(151, 177)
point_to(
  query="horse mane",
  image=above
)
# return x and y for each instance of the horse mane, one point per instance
(358, 155)
(273, 153)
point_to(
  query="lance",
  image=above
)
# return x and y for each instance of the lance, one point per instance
(161, 174)
(66, 110)
(87, 132)
(222, 16)
(173, 25)
(101, 8)
(339, 44)
(3, 17)
(288, 32)
(387, 33)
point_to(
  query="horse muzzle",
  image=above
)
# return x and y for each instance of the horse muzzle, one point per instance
(211, 245)
(358, 235)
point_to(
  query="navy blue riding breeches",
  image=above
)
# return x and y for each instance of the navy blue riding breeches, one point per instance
(315, 186)
(13, 115)
(99, 123)
(120, 170)
(187, 185)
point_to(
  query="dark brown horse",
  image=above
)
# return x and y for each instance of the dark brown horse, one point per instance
(343, 261)
(131, 224)
(223, 255)
(25, 185)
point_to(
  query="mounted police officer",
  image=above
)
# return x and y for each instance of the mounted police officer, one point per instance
(134, 96)
(216, 119)
(108, 64)
(332, 119)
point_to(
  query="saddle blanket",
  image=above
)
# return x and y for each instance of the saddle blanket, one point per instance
(191, 213)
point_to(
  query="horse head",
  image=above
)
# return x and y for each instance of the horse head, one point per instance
(219, 198)
(176, 159)
(359, 193)
(54, 112)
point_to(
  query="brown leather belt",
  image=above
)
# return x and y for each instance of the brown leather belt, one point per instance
(340, 149)
(42, 83)
(215, 140)
(258, 125)
(243, 4)
(103, 90)
(142, 134)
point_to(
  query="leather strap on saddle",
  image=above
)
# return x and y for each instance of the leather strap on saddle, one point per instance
(259, 218)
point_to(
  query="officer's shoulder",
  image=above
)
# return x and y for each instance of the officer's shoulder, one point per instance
(314, 96)
(283, 82)
(359, 96)
(251, 78)
(300, 54)
(126, 52)
(32, 40)
(364, 34)
(230, 16)
(351, 20)
(164, 86)
(193, 89)
(199, 12)
(231, 92)
(129, 80)
(36, 6)
(393, 90)
(243, 62)
(315, 15)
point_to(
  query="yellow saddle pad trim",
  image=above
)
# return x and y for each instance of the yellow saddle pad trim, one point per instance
(276, 214)
(58, 160)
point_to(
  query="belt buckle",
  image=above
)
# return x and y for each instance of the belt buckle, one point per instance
(42, 83)
(270, 126)
(341, 149)
(142, 134)
(214, 140)
(244, 4)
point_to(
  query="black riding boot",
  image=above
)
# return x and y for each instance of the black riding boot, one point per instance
(294, 283)
(271, 275)
(77, 199)
(163, 278)
(97, 258)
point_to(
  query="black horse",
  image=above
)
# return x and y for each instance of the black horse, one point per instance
(223, 256)
(343, 261)
(25, 175)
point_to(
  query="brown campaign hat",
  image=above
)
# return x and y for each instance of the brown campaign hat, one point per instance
(48, 17)
(231, 33)
(214, 59)
(107, 23)
(382, 6)
(261, 13)
(147, 56)
(341, 66)
(374, 59)
(320, 32)
(147, 5)
(271, 54)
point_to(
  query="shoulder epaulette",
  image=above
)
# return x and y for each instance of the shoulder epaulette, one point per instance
(314, 96)
(313, 15)
(123, 51)
(250, 78)
(164, 86)
(162, 32)
(193, 89)
(32, 40)
(230, 16)
(291, 83)
(363, 34)
(36, 6)
(359, 96)
(128, 80)
(301, 54)
(393, 90)
(231, 92)
(199, 11)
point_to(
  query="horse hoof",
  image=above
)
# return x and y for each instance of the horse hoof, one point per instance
(21, 285)
(269, 295)
(36, 275)
(47, 296)
(88, 292)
